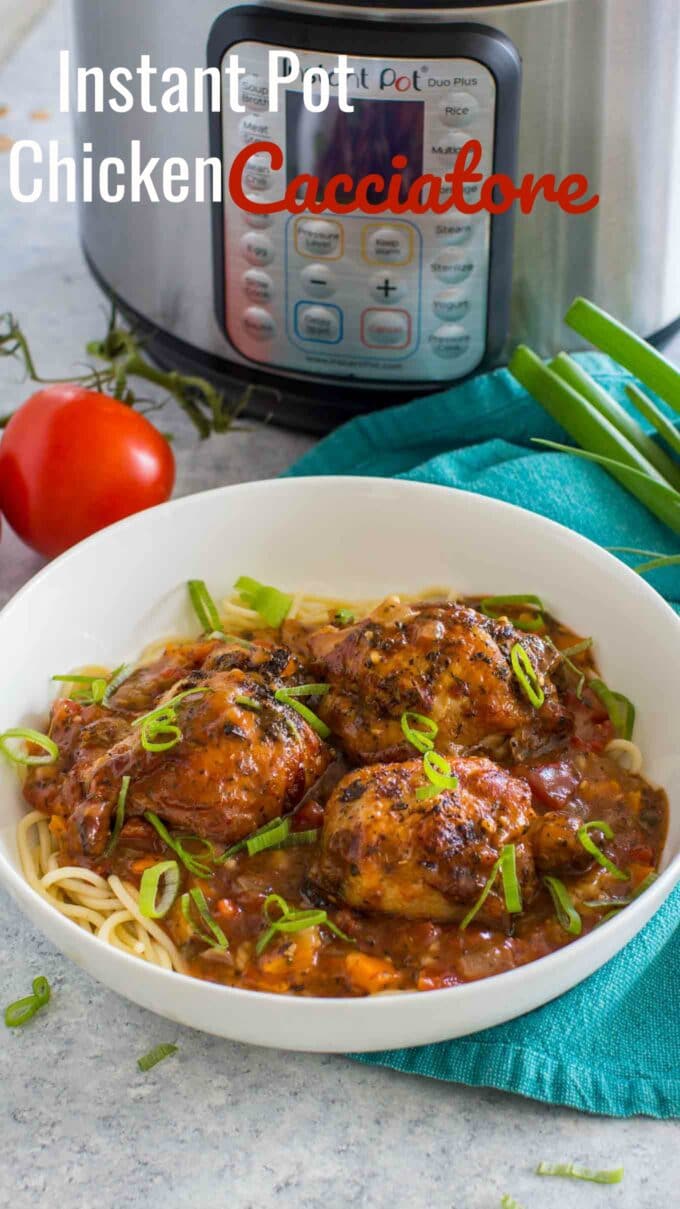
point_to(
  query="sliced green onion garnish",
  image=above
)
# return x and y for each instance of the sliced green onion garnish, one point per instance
(198, 868)
(117, 677)
(567, 915)
(150, 904)
(467, 919)
(163, 710)
(156, 1055)
(23, 1010)
(600, 904)
(215, 938)
(344, 616)
(295, 838)
(490, 604)
(422, 740)
(120, 816)
(564, 655)
(170, 734)
(95, 684)
(248, 703)
(567, 652)
(288, 696)
(511, 887)
(204, 606)
(268, 839)
(621, 711)
(526, 675)
(241, 845)
(509, 1202)
(293, 919)
(591, 847)
(272, 605)
(572, 1172)
(31, 736)
(438, 772)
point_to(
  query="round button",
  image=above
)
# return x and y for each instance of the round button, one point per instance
(254, 93)
(257, 174)
(258, 323)
(319, 280)
(450, 306)
(259, 222)
(450, 340)
(452, 265)
(386, 329)
(253, 127)
(458, 109)
(455, 231)
(386, 288)
(389, 245)
(318, 237)
(258, 285)
(258, 249)
(318, 323)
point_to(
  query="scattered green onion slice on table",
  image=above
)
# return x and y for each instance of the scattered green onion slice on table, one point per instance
(248, 703)
(190, 862)
(156, 1055)
(511, 887)
(204, 606)
(344, 616)
(30, 736)
(119, 818)
(289, 696)
(293, 919)
(654, 559)
(621, 711)
(526, 674)
(567, 916)
(215, 937)
(490, 604)
(572, 1172)
(422, 740)
(583, 835)
(509, 1202)
(150, 904)
(23, 1010)
(438, 772)
(272, 605)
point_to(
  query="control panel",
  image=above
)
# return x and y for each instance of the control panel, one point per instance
(377, 298)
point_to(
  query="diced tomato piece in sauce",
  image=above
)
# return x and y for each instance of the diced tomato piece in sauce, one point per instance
(553, 784)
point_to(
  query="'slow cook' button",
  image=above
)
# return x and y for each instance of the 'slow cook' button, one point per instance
(258, 285)
(259, 324)
(258, 249)
(452, 265)
(385, 329)
(450, 341)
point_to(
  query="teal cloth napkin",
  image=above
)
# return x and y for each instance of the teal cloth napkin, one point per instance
(612, 1044)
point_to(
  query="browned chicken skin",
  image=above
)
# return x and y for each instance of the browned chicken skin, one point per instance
(235, 768)
(440, 659)
(384, 850)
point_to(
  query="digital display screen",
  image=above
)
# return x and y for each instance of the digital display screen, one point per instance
(358, 144)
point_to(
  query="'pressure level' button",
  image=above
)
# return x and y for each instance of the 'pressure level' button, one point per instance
(322, 324)
(450, 341)
(319, 237)
(258, 249)
(452, 265)
(258, 285)
(259, 324)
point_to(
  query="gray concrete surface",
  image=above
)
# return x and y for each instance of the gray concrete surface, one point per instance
(223, 1124)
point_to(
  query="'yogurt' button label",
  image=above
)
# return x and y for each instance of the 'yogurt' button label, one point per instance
(450, 306)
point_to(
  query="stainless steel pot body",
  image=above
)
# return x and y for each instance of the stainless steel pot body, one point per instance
(600, 95)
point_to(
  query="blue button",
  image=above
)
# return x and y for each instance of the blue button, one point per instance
(320, 324)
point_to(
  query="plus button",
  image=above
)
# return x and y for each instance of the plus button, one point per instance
(386, 288)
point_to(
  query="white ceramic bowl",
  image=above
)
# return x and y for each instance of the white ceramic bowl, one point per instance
(104, 600)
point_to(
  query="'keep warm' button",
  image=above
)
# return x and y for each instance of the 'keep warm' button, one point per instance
(385, 329)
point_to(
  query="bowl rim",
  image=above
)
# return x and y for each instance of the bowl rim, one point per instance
(550, 964)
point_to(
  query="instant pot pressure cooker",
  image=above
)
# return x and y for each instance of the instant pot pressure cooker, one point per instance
(323, 316)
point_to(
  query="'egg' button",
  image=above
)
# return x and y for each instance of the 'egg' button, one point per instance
(259, 324)
(258, 249)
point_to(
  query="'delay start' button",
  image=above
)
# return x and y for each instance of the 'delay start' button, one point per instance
(322, 324)
(385, 329)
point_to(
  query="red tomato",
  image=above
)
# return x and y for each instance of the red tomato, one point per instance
(73, 461)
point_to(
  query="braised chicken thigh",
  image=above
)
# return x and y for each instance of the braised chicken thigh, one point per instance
(441, 659)
(384, 850)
